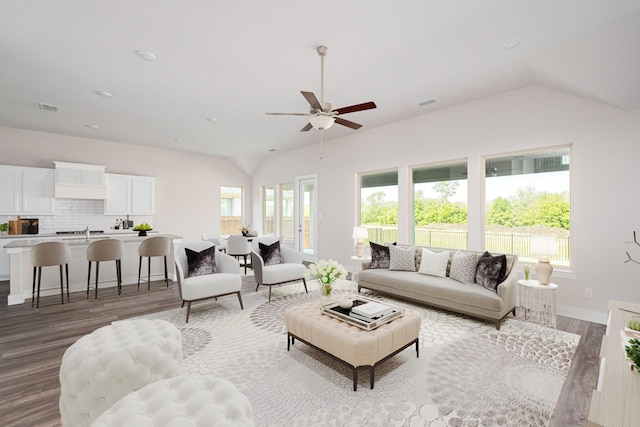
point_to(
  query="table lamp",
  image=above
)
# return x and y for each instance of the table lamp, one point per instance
(544, 246)
(359, 234)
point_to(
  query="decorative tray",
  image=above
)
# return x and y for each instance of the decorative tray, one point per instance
(346, 315)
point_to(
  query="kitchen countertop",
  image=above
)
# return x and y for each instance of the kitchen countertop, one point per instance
(80, 240)
(58, 236)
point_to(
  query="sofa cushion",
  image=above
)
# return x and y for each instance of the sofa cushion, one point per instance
(402, 259)
(490, 270)
(380, 256)
(434, 263)
(463, 267)
(199, 263)
(270, 254)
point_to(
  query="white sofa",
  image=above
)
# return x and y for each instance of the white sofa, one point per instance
(445, 292)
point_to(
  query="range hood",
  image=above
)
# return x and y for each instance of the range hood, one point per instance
(79, 181)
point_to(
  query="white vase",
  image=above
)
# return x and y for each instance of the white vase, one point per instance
(544, 270)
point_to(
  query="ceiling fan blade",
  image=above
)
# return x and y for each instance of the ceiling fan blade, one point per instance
(347, 123)
(312, 100)
(287, 114)
(308, 127)
(353, 108)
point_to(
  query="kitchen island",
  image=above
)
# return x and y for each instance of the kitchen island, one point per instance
(21, 270)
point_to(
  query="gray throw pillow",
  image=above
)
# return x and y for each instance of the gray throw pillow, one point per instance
(270, 254)
(402, 259)
(201, 263)
(463, 267)
(491, 271)
(380, 257)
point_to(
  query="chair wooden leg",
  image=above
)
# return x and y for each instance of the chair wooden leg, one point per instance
(305, 285)
(38, 297)
(188, 310)
(270, 286)
(139, 271)
(148, 274)
(118, 277)
(240, 299)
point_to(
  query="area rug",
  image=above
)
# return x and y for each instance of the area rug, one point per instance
(468, 373)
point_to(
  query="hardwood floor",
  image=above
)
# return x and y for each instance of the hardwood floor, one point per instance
(31, 349)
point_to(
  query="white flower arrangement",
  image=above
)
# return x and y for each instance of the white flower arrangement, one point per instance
(327, 272)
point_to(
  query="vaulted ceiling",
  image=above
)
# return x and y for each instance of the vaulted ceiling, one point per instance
(220, 65)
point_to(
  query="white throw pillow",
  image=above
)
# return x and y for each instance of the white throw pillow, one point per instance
(434, 263)
(463, 267)
(402, 259)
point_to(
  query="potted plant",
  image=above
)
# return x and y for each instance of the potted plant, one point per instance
(633, 354)
(4, 227)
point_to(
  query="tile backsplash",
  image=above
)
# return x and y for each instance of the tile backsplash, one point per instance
(77, 214)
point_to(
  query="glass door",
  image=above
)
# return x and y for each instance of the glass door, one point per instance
(306, 217)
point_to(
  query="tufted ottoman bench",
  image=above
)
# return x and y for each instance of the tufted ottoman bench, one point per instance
(355, 347)
(113, 361)
(184, 401)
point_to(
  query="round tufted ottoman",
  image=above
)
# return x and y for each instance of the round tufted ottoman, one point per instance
(184, 401)
(113, 361)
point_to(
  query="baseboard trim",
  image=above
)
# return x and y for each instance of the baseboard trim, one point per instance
(583, 314)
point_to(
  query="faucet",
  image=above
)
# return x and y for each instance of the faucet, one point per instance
(86, 231)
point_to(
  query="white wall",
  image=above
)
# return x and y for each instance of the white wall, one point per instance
(605, 200)
(187, 185)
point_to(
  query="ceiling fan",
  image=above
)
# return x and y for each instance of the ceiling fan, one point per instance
(321, 114)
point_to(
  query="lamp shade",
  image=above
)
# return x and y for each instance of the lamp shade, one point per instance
(544, 245)
(321, 121)
(360, 233)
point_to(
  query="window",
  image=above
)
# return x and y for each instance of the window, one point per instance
(528, 194)
(268, 210)
(379, 205)
(440, 205)
(230, 210)
(286, 213)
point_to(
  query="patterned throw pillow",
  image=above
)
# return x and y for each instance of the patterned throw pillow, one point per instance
(201, 263)
(379, 256)
(491, 271)
(270, 254)
(434, 263)
(402, 259)
(463, 267)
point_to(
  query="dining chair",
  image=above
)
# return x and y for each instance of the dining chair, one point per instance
(238, 246)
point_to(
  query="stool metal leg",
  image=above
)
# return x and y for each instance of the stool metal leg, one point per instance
(139, 271)
(38, 296)
(97, 271)
(149, 274)
(166, 276)
(88, 279)
(66, 267)
(33, 288)
(119, 277)
(61, 288)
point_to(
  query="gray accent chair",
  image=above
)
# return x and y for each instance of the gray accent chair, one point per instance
(291, 270)
(225, 281)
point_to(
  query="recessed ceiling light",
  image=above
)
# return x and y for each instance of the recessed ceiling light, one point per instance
(428, 101)
(104, 94)
(511, 43)
(212, 119)
(92, 126)
(147, 56)
(178, 141)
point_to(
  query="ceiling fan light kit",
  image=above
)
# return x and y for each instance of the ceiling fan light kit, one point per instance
(321, 114)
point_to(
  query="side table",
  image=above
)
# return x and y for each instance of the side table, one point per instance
(537, 302)
(359, 261)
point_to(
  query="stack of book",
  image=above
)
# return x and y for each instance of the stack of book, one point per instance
(371, 311)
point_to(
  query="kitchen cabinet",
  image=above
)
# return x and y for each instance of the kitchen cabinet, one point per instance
(79, 181)
(129, 195)
(26, 191)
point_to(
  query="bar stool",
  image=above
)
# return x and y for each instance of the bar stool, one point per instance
(48, 254)
(152, 247)
(105, 250)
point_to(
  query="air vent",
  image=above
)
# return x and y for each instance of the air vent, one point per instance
(49, 107)
(427, 101)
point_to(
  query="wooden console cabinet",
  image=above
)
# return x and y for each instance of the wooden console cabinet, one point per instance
(616, 400)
